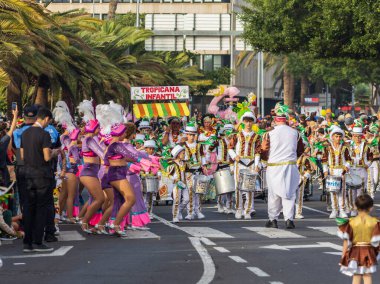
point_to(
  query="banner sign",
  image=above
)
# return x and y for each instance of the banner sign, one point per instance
(160, 93)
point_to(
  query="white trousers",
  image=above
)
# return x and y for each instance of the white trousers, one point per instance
(194, 204)
(277, 203)
(249, 205)
(180, 200)
(373, 178)
(148, 199)
(225, 200)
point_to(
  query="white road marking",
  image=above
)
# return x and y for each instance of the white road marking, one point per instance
(237, 259)
(253, 220)
(208, 263)
(222, 249)
(317, 245)
(66, 236)
(331, 230)
(206, 232)
(208, 242)
(275, 282)
(19, 263)
(258, 271)
(315, 210)
(334, 253)
(274, 233)
(131, 235)
(59, 252)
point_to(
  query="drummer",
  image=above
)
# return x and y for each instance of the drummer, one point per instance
(176, 172)
(361, 160)
(173, 135)
(149, 197)
(336, 162)
(373, 172)
(225, 201)
(196, 159)
(245, 149)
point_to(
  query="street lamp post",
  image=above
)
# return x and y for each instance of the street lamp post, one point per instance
(138, 14)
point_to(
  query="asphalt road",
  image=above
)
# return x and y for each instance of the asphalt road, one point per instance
(218, 249)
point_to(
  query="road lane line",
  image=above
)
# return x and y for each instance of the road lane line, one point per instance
(275, 282)
(207, 241)
(273, 233)
(59, 252)
(221, 249)
(208, 263)
(206, 232)
(258, 271)
(315, 210)
(254, 220)
(237, 259)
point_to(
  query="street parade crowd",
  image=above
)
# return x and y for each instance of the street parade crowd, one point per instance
(128, 167)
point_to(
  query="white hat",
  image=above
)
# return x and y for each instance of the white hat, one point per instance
(191, 130)
(144, 124)
(150, 144)
(357, 130)
(140, 137)
(226, 127)
(176, 150)
(335, 129)
(324, 123)
(250, 115)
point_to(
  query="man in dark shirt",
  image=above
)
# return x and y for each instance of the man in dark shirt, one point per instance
(36, 153)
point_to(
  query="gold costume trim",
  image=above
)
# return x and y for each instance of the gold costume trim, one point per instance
(282, 163)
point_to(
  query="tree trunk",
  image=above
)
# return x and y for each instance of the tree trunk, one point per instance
(42, 91)
(288, 86)
(112, 9)
(304, 89)
(14, 95)
(67, 97)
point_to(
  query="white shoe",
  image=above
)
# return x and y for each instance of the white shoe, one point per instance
(200, 216)
(247, 216)
(343, 214)
(151, 216)
(220, 209)
(180, 217)
(333, 215)
(230, 211)
(299, 216)
(56, 230)
(238, 214)
(354, 213)
(175, 220)
(189, 217)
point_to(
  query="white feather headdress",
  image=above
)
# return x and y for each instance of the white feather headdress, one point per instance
(87, 109)
(62, 116)
(109, 116)
(119, 109)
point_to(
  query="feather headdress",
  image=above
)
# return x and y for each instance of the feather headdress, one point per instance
(62, 116)
(109, 116)
(87, 109)
(119, 109)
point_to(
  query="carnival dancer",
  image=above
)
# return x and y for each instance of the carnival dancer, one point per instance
(305, 169)
(361, 161)
(245, 150)
(176, 172)
(150, 148)
(69, 141)
(373, 171)
(173, 135)
(117, 157)
(281, 147)
(195, 158)
(336, 162)
(361, 237)
(92, 152)
(225, 201)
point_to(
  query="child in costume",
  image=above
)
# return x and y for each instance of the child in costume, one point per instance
(361, 237)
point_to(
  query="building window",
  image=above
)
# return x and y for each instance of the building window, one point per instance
(104, 16)
(213, 62)
(208, 63)
(90, 1)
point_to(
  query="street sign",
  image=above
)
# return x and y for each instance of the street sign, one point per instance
(160, 93)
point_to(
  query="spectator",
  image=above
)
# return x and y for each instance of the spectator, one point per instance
(36, 153)
(5, 138)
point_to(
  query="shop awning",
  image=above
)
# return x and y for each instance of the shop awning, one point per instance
(160, 109)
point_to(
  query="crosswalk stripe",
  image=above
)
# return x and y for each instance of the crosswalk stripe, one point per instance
(67, 236)
(237, 259)
(131, 235)
(205, 232)
(273, 233)
(221, 249)
(258, 271)
(331, 230)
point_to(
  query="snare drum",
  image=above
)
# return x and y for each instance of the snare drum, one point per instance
(201, 183)
(333, 184)
(247, 180)
(224, 181)
(150, 184)
(353, 181)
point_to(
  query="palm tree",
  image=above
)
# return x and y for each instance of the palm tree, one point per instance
(112, 9)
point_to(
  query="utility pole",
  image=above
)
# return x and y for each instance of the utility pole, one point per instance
(137, 13)
(353, 101)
